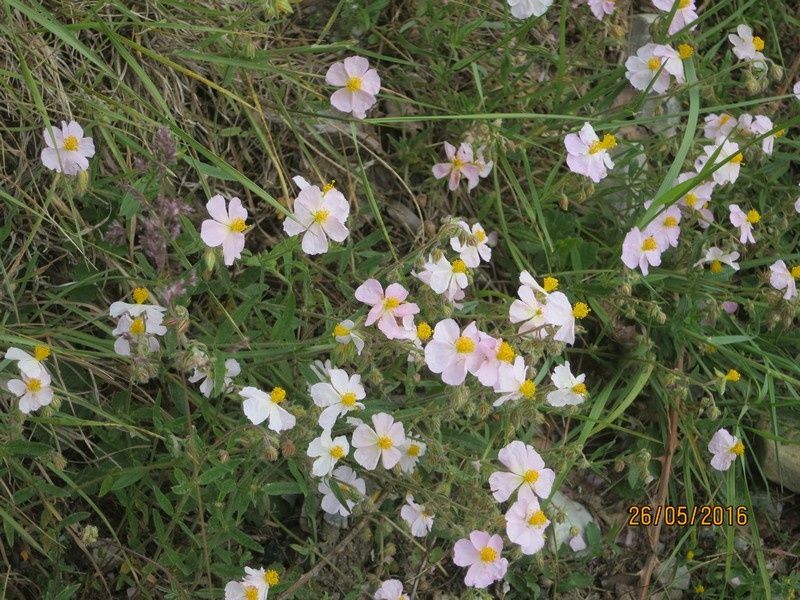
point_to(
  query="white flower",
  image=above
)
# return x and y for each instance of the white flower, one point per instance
(391, 589)
(717, 258)
(526, 522)
(381, 443)
(453, 353)
(417, 517)
(344, 333)
(140, 332)
(67, 150)
(322, 369)
(577, 543)
(513, 382)
(719, 126)
(319, 214)
(522, 9)
(30, 365)
(33, 392)
(727, 173)
(358, 85)
(260, 406)
(796, 90)
(685, 13)
(569, 390)
(587, 155)
(261, 578)
(781, 278)
(601, 8)
(746, 46)
(529, 308)
(327, 451)
(337, 397)
(645, 70)
(412, 450)
(445, 277)
(558, 312)
(225, 228)
(232, 369)
(236, 590)
(352, 487)
(758, 126)
(475, 245)
(697, 199)
(665, 227)
(744, 221)
(725, 448)
(526, 470)
(139, 308)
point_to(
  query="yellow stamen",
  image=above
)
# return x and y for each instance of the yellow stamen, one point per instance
(413, 449)
(341, 330)
(321, 216)
(277, 395)
(140, 295)
(459, 266)
(349, 399)
(238, 225)
(505, 352)
(738, 449)
(390, 303)
(581, 310)
(272, 577)
(70, 143)
(780, 133)
(670, 221)
(530, 476)
(737, 160)
(354, 84)
(579, 388)
(654, 63)
(691, 199)
(684, 3)
(480, 235)
(488, 554)
(457, 163)
(251, 593)
(758, 43)
(716, 266)
(795, 272)
(699, 589)
(337, 452)
(753, 216)
(528, 388)
(649, 244)
(424, 331)
(550, 284)
(685, 51)
(465, 345)
(608, 142)
(34, 385)
(733, 375)
(329, 186)
(537, 519)
(724, 118)
(137, 326)
(385, 442)
(41, 353)
(690, 555)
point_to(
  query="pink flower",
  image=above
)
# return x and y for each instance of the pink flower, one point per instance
(645, 70)
(577, 543)
(587, 155)
(459, 163)
(525, 469)
(417, 516)
(513, 382)
(359, 84)
(640, 250)
(381, 443)
(225, 228)
(744, 221)
(685, 13)
(730, 307)
(526, 522)
(719, 126)
(495, 353)
(746, 46)
(782, 278)
(665, 227)
(67, 150)
(453, 353)
(319, 214)
(725, 448)
(697, 199)
(482, 554)
(445, 277)
(388, 308)
(601, 8)
(391, 589)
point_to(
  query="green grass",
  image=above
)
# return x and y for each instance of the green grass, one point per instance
(183, 491)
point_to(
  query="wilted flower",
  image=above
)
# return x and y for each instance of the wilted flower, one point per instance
(232, 369)
(225, 228)
(482, 554)
(67, 150)
(319, 214)
(746, 46)
(587, 155)
(759, 125)
(358, 86)
(716, 257)
(259, 406)
(417, 517)
(349, 483)
(30, 365)
(725, 448)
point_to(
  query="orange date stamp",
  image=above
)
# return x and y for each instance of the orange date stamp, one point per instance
(681, 515)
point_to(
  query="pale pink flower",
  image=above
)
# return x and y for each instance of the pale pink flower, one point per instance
(577, 543)
(344, 333)
(697, 199)
(719, 126)
(391, 589)
(473, 245)
(796, 90)
(33, 392)
(495, 353)
(588, 155)
(352, 486)
(482, 553)
(445, 277)
(645, 70)
(381, 443)
(665, 227)
(725, 448)
(358, 85)
(225, 228)
(484, 166)
(522, 9)
(744, 221)
(412, 450)
(529, 308)
(640, 250)
(570, 390)
(338, 396)
(458, 163)
(601, 8)
(727, 173)
(782, 278)
(419, 519)
(526, 522)
(319, 214)
(452, 352)
(730, 307)
(526, 470)
(140, 333)
(758, 125)
(67, 151)
(717, 257)
(513, 382)
(387, 308)
(746, 46)
(558, 313)
(327, 451)
(685, 14)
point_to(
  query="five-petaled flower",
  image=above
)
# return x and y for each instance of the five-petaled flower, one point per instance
(358, 85)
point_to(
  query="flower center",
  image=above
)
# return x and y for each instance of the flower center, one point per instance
(457, 163)
(385, 442)
(238, 225)
(251, 592)
(40, 353)
(488, 554)
(465, 345)
(685, 51)
(480, 236)
(738, 449)
(329, 186)
(272, 577)
(581, 310)
(670, 221)
(340, 330)
(608, 142)
(71, 142)
(530, 476)
(691, 199)
(654, 63)
(390, 303)
(528, 388)
(758, 43)
(140, 295)
(550, 284)
(505, 352)
(724, 118)
(337, 452)
(795, 272)
(753, 216)
(413, 450)
(349, 399)
(424, 331)
(137, 326)
(684, 3)
(733, 375)
(459, 266)
(780, 133)
(579, 388)
(537, 519)
(649, 244)
(321, 216)
(34, 385)
(354, 84)
(277, 395)
(737, 160)
(716, 266)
